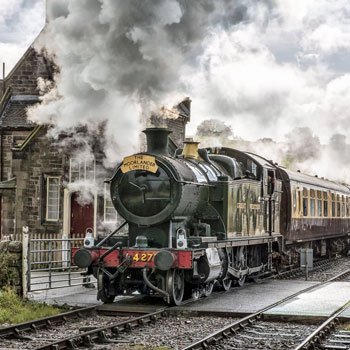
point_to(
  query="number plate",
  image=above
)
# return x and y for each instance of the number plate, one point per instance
(141, 258)
(145, 257)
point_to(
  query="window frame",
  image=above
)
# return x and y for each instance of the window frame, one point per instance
(105, 200)
(82, 171)
(47, 185)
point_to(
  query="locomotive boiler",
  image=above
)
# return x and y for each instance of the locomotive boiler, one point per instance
(205, 217)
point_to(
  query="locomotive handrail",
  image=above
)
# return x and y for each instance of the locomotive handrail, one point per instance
(110, 235)
(193, 183)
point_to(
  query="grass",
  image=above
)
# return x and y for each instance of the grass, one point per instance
(13, 309)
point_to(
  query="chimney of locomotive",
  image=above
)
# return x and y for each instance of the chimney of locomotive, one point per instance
(190, 149)
(157, 141)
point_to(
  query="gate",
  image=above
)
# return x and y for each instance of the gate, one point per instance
(48, 264)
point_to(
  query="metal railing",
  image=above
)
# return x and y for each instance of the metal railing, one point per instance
(48, 263)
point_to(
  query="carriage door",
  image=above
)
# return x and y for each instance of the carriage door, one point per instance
(82, 217)
(269, 200)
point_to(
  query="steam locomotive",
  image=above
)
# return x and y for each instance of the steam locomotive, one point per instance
(206, 217)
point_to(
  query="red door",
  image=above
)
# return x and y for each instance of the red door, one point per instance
(82, 217)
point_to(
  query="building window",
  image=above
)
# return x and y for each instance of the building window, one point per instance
(110, 214)
(81, 170)
(52, 198)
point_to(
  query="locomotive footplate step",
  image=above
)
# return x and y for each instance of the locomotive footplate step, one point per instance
(321, 302)
(248, 299)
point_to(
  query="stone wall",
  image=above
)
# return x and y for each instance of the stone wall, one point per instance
(23, 79)
(11, 265)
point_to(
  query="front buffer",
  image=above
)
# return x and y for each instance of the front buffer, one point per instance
(125, 271)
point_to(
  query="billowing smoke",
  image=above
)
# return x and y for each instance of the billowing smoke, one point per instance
(119, 60)
(300, 149)
(264, 67)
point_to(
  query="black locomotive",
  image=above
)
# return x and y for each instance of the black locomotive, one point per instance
(210, 216)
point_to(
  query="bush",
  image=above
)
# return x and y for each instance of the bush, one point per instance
(9, 269)
(14, 310)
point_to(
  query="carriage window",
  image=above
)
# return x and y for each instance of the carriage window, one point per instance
(319, 207)
(347, 207)
(333, 205)
(325, 204)
(342, 207)
(338, 206)
(305, 201)
(312, 203)
(294, 201)
(312, 206)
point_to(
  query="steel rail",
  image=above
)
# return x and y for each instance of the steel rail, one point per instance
(322, 330)
(231, 329)
(325, 327)
(99, 334)
(15, 330)
(297, 272)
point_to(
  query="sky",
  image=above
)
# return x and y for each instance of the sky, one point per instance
(263, 67)
(20, 22)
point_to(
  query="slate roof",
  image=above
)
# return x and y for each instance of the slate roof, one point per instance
(14, 114)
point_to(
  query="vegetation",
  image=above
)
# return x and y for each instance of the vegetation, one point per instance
(14, 310)
(7, 272)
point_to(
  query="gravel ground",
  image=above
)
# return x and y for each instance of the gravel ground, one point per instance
(267, 335)
(174, 332)
(325, 273)
(167, 333)
(60, 331)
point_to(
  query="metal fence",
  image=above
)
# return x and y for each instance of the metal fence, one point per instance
(48, 264)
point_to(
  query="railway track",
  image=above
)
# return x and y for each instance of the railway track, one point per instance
(119, 330)
(322, 270)
(325, 336)
(247, 326)
(15, 331)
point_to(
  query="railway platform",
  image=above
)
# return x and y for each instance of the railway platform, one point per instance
(321, 302)
(248, 299)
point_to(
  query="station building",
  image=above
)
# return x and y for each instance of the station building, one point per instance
(35, 174)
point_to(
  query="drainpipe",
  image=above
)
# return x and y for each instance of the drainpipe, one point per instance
(1, 154)
(1, 131)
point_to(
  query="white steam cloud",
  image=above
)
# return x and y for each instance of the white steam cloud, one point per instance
(299, 149)
(264, 67)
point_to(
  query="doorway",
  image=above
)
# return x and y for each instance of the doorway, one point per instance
(81, 217)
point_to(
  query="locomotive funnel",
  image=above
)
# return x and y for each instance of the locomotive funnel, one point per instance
(157, 140)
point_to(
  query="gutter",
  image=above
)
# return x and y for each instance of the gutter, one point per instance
(28, 139)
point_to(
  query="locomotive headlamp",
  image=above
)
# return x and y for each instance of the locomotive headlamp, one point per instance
(181, 241)
(164, 260)
(141, 242)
